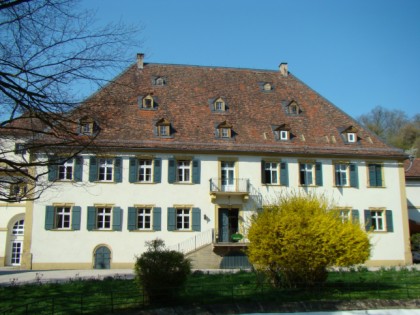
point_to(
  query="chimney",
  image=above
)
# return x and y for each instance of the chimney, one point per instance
(283, 69)
(140, 61)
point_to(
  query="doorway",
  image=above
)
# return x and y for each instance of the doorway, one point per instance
(102, 258)
(16, 243)
(228, 223)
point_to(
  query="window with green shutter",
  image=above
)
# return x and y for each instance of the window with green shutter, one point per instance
(284, 174)
(196, 219)
(318, 173)
(375, 175)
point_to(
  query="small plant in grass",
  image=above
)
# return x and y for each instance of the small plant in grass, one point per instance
(161, 272)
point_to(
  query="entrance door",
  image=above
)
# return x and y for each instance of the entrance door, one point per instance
(228, 176)
(16, 243)
(16, 253)
(228, 224)
(102, 258)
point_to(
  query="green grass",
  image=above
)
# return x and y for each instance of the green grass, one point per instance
(102, 297)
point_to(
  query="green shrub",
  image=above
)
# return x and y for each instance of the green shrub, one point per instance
(415, 241)
(161, 273)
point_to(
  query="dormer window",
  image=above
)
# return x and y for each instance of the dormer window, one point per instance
(267, 87)
(293, 108)
(224, 130)
(282, 132)
(349, 134)
(88, 126)
(160, 81)
(219, 105)
(148, 102)
(163, 128)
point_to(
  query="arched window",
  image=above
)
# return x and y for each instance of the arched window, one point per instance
(18, 227)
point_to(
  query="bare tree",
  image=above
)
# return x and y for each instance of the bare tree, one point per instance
(48, 50)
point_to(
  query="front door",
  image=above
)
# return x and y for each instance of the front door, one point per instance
(16, 254)
(228, 224)
(16, 243)
(228, 176)
(102, 258)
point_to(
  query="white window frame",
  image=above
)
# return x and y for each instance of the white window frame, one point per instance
(145, 171)
(18, 227)
(16, 253)
(351, 137)
(106, 170)
(183, 219)
(62, 217)
(148, 102)
(142, 214)
(163, 130)
(306, 168)
(343, 170)
(103, 218)
(378, 220)
(273, 169)
(284, 135)
(225, 132)
(65, 170)
(344, 214)
(183, 171)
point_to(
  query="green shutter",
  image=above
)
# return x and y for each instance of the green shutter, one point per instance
(75, 217)
(132, 219)
(372, 175)
(196, 172)
(49, 217)
(318, 173)
(196, 219)
(78, 169)
(171, 171)
(354, 177)
(263, 178)
(118, 170)
(368, 220)
(117, 219)
(171, 219)
(157, 170)
(52, 169)
(389, 221)
(93, 169)
(133, 170)
(157, 218)
(284, 174)
(91, 218)
(378, 171)
(355, 216)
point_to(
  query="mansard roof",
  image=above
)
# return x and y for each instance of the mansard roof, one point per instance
(183, 100)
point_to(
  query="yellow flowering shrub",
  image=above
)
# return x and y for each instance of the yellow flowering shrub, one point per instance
(296, 239)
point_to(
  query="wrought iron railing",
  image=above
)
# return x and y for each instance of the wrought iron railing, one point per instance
(197, 241)
(238, 185)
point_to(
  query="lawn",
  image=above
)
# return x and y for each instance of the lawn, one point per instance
(106, 296)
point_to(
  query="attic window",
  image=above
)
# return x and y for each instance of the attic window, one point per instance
(88, 126)
(267, 87)
(293, 108)
(224, 130)
(282, 132)
(349, 134)
(160, 81)
(148, 102)
(351, 137)
(163, 128)
(219, 105)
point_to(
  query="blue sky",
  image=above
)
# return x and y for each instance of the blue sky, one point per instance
(356, 53)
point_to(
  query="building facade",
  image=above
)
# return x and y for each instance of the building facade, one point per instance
(188, 154)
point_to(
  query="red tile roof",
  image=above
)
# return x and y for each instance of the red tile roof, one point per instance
(186, 102)
(412, 169)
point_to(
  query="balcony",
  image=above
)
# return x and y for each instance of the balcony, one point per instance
(229, 187)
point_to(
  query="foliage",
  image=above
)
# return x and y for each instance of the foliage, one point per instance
(415, 241)
(49, 50)
(161, 272)
(394, 127)
(296, 239)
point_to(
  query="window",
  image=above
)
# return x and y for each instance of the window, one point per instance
(148, 102)
(103, 218)
(310, 174)
(160, 81)
(281, 132)
(20, 148)
(182, 219)
(144, 218)
(267, 87)
(105, 169)
(346, 174)
(375, 175)
(379, 220)
(341, 177)
(163, 128)
(224, 130)
(144, 170)
(184, 170)
(18, 227)
(351, 137)
(87, 126)
(344, 214)
(65, 171)
(62, 217)
(293, 108)
(284, 135)
(219, 105)
(271, 173)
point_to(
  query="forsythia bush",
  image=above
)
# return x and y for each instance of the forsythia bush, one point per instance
(296, 239)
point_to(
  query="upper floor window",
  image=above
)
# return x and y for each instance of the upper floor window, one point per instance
(20, 148)
(65, 169)
(345, 174)
(62, 217)
(18, 227)
(310, 174)
(104, 217)
(184, 171)
(18, 190)
(144, 170)
(274, 173)
(105, 169)
(184, 218)
(375, 175)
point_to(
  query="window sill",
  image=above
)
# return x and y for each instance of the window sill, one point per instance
(142, 231)
(376, 186)
(63, 230)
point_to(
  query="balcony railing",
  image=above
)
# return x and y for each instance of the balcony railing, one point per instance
(233, 185)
